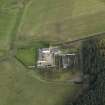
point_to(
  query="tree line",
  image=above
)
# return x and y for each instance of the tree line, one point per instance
(93, 67)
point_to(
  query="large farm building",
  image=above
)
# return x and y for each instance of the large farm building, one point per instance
(53, 57)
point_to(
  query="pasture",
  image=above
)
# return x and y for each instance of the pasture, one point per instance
(19, 86)
(8, 18)
(28, 54)
(61, 20)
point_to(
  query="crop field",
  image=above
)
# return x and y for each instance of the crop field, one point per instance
(61, 20)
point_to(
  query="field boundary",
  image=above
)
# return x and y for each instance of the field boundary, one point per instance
(94, 35)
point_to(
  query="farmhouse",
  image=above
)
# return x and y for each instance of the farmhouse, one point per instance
(46, 57)
(54, 57)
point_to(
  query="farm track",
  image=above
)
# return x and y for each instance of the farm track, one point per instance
(94, 35)
(17, 24)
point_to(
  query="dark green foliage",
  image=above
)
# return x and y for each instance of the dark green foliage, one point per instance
(90, 57)
(93, 65)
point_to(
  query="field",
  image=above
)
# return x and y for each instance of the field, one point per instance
(7, 22)
(60, 20)
(28, 54)
(23, 23)
(19, 86)
(10, 17)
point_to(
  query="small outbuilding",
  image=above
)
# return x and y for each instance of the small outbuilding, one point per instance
(46, 57)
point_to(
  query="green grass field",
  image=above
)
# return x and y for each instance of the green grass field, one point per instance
(57, 76)
(19, 86)
(11, 12)
(60, 20)
(26, 56)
